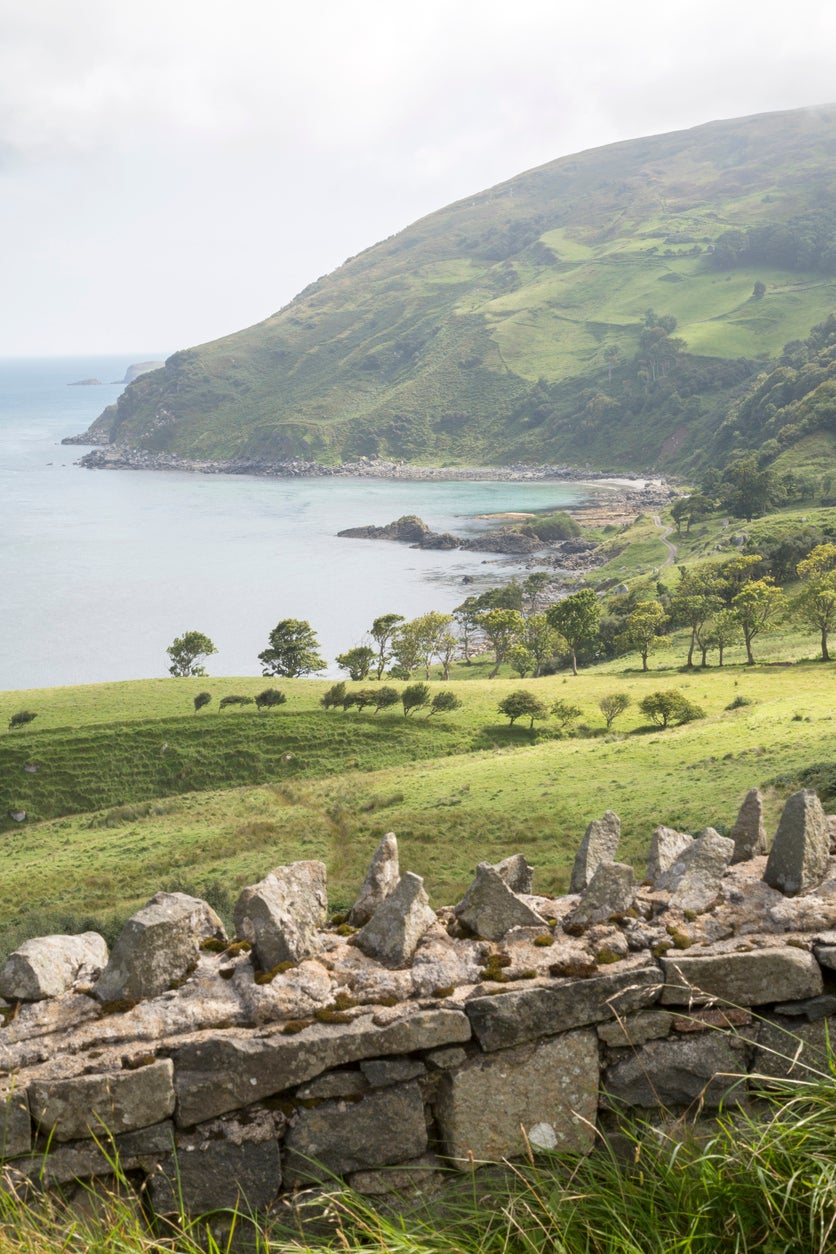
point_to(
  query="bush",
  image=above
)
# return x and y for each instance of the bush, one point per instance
(670, 706)
(739, 702)
(334, 696)
(202, 698)
(565, 712)
(385, 697)
(445, 703)
(415, 697)
(234, 700)
(612, 705)
(21, 719)
(270, 698)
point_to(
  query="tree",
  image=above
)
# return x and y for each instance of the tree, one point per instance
(415, 697)
(292, 650)
(612, 705)
(361, 697)
(202, 698)
(420, 640)
(533, 588)
(576, 618)
(669, 706)
(723, 630)
(565, 712)
(466, 617)
(758, 603)
(689, 509)
(21, 719)
(541, 640)
(444, 703)
(381, 633)
(642, 630)
(695, 600)
(187, 653)
(334, 696)
(522, 704)
(502, 628)
(747, 490)
(357, 661)
(520, 660)
(816, 603)
(270, 698)
(385, 697)
(447, 648)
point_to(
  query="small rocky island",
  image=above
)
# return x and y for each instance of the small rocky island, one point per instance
(412, 530)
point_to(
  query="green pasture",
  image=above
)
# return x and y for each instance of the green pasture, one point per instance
(455, 793)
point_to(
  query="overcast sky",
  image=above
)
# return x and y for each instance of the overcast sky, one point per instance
(178, 169)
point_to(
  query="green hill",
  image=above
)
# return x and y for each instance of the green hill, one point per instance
(519, 324)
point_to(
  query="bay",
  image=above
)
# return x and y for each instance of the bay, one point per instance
(100, 570)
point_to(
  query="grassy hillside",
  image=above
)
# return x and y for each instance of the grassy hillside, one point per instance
(455, 793)
(514, 324)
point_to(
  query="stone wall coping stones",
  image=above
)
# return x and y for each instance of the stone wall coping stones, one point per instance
(756, 978)
(224, 1073)
(512, 1018)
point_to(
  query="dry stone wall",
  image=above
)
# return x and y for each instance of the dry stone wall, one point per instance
(422, 1042)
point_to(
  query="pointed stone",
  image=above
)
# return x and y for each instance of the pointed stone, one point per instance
(490, 909)
(49, 965)
(157, 947)
(598, 845)
(517, 873)
(697, 878)
(801, 849)
(392, 934)
(281, 915)
(610, 891)
(380, 882)
(666, 847)
(749, 832)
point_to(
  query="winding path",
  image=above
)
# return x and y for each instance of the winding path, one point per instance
(666, 531)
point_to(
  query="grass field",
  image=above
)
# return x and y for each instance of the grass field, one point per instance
(455, 792)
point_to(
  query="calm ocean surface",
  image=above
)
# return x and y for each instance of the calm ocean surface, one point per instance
(100, 570)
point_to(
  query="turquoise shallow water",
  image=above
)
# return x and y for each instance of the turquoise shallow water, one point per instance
(100, 570)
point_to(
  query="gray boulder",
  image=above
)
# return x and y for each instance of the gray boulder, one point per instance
(697, 877)
(392, 934)
(740, 979)
(666, 846)
(516, 873)
(281, 915)
(490, 909)
(380, 882)
(158, 947)
(749, 832)
(50, 965)
(610, 891)
(798, 859)
(599, 844)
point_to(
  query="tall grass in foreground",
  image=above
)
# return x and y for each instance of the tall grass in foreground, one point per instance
(764, 1182)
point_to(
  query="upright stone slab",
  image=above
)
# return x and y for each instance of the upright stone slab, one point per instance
(394, 930)
(281, 915)
(544, 1095)
(749, 832)
(95, 1105)
(703, 864)
(666, 848)
(158, 947)
(798, 859)
(380, 882)
(516, 872)
(15, 1123)
(489, 908)
(50, 965)
(610, 891)
(598, 845)
(220, 1165)
(383, 1128)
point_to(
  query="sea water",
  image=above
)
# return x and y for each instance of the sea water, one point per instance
(100, 570)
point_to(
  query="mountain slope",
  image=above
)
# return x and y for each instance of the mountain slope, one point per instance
(519, 324)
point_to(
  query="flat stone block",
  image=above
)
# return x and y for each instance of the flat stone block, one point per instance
(382, 1129)
(528, 1014)
(232, 1071)
(647, 1025)
(678, 1072)
(101, 1104)
(218, 1175)
(741, 979)
(544, 1094)
(793, 1049)
(143, 1150)
(15, 1124)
